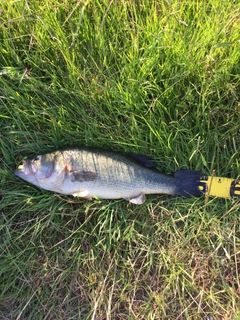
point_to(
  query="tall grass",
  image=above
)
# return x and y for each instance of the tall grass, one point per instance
(154, 77)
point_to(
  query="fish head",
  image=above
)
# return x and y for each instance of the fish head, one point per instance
(46, 171)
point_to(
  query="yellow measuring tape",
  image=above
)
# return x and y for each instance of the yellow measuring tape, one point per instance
(220, 187)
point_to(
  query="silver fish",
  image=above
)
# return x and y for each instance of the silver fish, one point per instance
(88, 172)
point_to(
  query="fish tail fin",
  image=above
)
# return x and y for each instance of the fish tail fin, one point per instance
(188, 183)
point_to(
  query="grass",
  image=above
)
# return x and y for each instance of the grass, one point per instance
(154, 77)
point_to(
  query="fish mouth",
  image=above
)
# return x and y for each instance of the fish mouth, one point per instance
(18, 173)
(23, 170)
(20, 167)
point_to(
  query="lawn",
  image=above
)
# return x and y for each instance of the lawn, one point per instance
(161, 78)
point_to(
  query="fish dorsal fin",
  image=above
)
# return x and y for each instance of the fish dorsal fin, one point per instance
(143, 160)
(139, 199)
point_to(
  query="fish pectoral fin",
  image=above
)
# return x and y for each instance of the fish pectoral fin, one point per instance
(82, 194)
(81, 176)
(139, 199)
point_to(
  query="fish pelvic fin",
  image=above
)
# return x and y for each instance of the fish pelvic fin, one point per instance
(82, 194)
(139, 199)
(188, 183)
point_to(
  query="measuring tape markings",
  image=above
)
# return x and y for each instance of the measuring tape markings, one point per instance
(220, 187)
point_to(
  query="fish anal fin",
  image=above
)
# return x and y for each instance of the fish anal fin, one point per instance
(81, 176)
(82, 194)
(139, 199)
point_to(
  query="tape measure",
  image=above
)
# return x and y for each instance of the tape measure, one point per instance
(220, 187)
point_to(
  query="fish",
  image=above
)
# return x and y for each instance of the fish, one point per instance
(89, 172)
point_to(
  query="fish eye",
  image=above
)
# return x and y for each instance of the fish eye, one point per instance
(36, 158)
